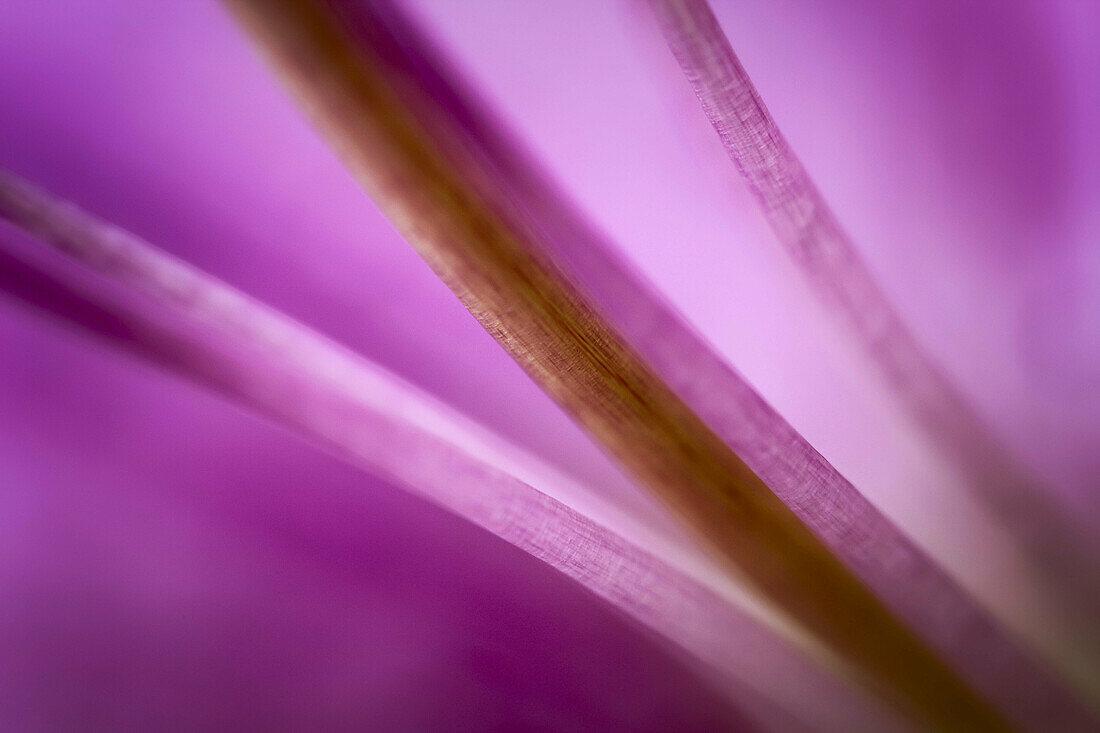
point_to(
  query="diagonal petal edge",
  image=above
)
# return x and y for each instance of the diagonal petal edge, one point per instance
(807, 229)
(123, 290)
(447, 194)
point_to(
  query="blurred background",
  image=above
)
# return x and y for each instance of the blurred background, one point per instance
(168, 560)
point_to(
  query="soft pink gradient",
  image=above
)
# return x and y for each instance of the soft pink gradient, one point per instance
(168, 558)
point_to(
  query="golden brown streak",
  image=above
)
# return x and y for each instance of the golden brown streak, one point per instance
(423, 174)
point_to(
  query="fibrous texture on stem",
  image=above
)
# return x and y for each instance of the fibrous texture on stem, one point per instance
(809, 231)
(121, 289)
(760, 498)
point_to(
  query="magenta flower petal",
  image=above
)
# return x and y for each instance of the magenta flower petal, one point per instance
(248, 566)
(812, 236)
(442, 173)
(168, 561)
(138, 299)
